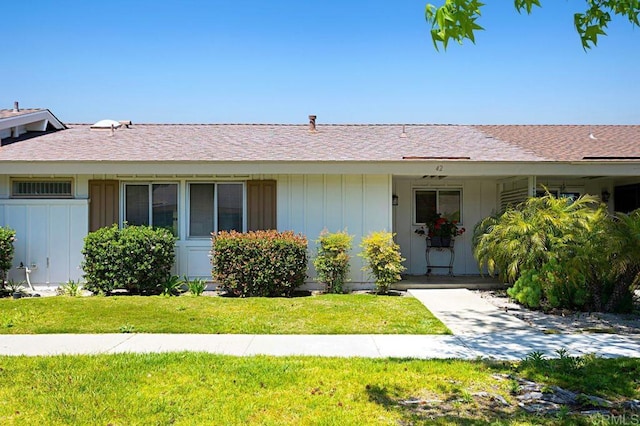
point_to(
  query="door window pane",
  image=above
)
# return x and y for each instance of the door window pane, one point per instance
(430, 202)
(229, 207)
(425, 206)
(449, 204)
(137, 204)
(165, 207)
(201, 208)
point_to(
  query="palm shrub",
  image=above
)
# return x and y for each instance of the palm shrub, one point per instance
(7, 237)
(528, 235)
(259, 263)
(382, 259)
(136, 258)
(624, 264)
(332, 261)
(560, 253)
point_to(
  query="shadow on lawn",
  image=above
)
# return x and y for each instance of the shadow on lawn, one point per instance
(455, 409)
(613, 379)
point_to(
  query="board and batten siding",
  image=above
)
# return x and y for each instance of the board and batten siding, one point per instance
(479, 200)
(49, 236)
(360, 204)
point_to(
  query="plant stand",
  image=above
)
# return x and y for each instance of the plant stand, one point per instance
(439, 246)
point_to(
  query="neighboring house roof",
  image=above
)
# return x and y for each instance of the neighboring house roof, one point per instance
(18, 124)
(9, 113)
(265, 142)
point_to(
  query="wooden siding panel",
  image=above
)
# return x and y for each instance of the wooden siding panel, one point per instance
(261, 204)
(104, 203)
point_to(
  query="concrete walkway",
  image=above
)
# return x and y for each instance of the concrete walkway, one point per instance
(493, 346)
(466, 313)
(480, 331)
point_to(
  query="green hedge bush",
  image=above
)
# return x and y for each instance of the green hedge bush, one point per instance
(332, 260)
(259, 263)
(383, 259)
(135, 258)
(7, 237)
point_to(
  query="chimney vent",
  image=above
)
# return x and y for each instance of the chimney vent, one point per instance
(312, 123)
(16, 107)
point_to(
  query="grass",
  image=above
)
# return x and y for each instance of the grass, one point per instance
(192, 388)
(326, 314)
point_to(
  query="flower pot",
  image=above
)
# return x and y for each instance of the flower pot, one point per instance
(436, 241)
(17, 295)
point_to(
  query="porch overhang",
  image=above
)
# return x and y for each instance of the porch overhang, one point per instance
(463, 168)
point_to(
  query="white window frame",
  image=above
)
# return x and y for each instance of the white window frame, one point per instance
(437, 191)
(46, 181)
(215, 205)
(123, 197)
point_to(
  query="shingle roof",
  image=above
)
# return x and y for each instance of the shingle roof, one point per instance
(264, 142)
(8, 113)
(571, 143)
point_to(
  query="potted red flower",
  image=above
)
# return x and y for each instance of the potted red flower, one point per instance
(440, 231)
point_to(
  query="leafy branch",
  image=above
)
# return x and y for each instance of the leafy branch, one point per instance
(457, 19)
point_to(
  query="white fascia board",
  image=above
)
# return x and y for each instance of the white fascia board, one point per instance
(396, 168)
(33, 117)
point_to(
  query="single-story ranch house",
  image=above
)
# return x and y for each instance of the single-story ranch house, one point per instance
(59, 181)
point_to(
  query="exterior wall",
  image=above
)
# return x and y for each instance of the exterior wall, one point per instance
(49, 237)
(358, 203)
(50, 232)
(479, 199)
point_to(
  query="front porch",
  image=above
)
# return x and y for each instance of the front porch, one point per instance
(469, 199)
(472, 282)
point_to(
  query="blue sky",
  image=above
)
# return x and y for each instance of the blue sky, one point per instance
(245, 61)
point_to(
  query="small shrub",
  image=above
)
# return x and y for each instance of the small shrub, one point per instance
(260, 263)
(527, 290)
(70, 288)
(332, 261)
(7, 238)
(127, 328)
(557, 284)
(196, 286)
(172, 286)
(12, 286)
(135, 258)
(383, 259)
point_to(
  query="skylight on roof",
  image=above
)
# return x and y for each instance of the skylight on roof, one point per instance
(106, 124)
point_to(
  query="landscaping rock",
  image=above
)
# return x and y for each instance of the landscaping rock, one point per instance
(500, 399)
(563, 396)
(601, 412)
(631, 405)
(419, 401)
(544, 408)
(553, 399)
(594, 401)
(531, 396)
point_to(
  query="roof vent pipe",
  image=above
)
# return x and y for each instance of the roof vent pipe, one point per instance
(16, 107)
(312, 123)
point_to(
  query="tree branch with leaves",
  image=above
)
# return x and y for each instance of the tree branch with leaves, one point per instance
(458, 19)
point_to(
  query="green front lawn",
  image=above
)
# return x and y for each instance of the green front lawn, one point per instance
(192, 388)
(326, 314)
